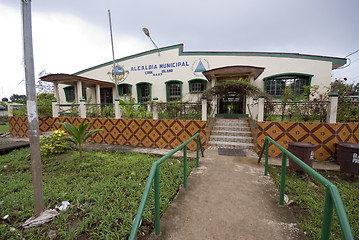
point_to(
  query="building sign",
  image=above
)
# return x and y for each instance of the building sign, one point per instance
(200, 66)
(118, 72)
(159, 69)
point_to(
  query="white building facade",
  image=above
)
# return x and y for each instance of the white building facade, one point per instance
(171, 74)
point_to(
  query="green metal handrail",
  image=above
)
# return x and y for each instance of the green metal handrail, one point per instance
(154, 176)
(250, 113)
(332, 196)
(210, 118)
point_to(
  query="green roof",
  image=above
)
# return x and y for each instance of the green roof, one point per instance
(336, 61)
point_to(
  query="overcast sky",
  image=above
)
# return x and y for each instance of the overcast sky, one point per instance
(69, 36)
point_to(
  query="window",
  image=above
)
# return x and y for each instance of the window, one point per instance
(276, 84)
(173, 90)
(197, 85)
(70, 93)
(143, 92)
(124, 89)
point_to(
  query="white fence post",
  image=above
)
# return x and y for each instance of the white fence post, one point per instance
(55, 108)
(117, 108)
(204, 108)
(260, 109)
(82, 108)
(332, 108)
(10, 109)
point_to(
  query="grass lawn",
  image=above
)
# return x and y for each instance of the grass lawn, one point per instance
(104, 190)
(4, 128)
(308, 199)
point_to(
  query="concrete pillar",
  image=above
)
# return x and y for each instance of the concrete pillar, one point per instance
(98, 97)
(55, 108)
(56, 92)
(332, 108)
(117, 108)
(82, 108)
(260, 109)
(155, 111)
(78, 92)
(204, 109)
(10, 109)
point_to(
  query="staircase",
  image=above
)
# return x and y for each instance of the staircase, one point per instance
(231, 133)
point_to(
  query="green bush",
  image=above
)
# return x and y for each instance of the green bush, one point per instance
(53, 144)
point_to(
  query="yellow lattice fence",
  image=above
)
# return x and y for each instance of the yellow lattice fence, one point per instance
(324, 135)
(130, 132)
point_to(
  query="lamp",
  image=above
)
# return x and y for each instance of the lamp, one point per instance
(147, 33)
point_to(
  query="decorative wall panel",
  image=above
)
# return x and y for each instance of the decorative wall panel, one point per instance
(130, 132)
(324, 135)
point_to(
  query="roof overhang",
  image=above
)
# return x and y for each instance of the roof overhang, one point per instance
(233, 72)
(69, 79)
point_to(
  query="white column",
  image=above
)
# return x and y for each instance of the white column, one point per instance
(55, 108)
(332, 108)
(82, 108)
(78, 91)
(98, 97)
(117, 109)
(9, 109)
(260, 109)
(155, 111)
(56, 92)
(204, 109)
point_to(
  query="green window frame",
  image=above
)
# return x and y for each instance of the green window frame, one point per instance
(144, 92)
(124, 89)
(70, 93)
(276, 84)
(197, 85)
(173, 90)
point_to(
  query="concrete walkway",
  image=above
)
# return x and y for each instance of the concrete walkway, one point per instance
(228, 197)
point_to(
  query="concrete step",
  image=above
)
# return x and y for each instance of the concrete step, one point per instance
(230, 122)
(231, 133)
(231, 128)
(221, 144)
(239, 139)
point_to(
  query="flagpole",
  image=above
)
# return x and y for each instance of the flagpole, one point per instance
(113, 56)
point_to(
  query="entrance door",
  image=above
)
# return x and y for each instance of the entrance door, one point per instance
(232, 105)
(106, 95)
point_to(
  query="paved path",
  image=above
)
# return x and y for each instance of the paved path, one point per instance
(228, 198)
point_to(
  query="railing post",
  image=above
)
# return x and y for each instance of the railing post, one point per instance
(10, 109)
(282, 180)
(266, 145)
(197, 152)
(327, 216)
(117, 108)
(82, 108)
(260, 109)
(185, 166)
(157, 201)
(204, 108)
(155, 111)
(332, 108)
(55, 108)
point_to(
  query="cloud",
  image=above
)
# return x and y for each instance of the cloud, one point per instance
(62, 43)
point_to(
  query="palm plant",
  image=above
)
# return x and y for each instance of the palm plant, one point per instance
(78, 135)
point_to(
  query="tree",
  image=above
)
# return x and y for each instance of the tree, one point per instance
(78, 135)
(18, 98)
(4, 99)
(44, 87)
(234, 87)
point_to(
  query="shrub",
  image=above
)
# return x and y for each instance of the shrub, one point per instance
(53, 144)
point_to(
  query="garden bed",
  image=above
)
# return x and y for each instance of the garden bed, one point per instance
(309, 196)
(104, 190)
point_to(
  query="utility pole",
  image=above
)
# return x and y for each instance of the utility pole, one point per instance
(31, 104)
